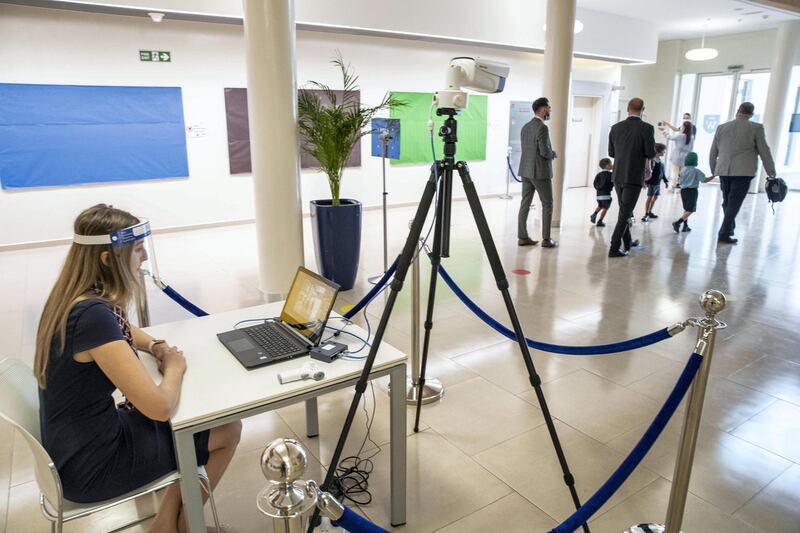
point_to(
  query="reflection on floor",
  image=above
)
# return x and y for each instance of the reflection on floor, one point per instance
(484, 461)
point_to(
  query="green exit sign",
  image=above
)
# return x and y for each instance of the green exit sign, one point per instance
(155, 56)
(735, 68)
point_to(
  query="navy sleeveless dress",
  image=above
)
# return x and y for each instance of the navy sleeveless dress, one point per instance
(100, 451)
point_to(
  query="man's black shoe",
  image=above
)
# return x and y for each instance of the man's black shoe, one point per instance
(677, 225)
(601, 224)
(549, 243)
(728, 240)
(617, 253)
(527, 242)
(652, 215)
(593, 218)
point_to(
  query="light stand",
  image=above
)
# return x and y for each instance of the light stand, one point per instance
(507, 195)
(385, 137)
(443, 170)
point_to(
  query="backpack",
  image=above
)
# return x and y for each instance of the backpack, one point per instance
(776, 190)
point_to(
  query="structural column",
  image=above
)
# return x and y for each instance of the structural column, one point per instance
(559, 41)
(269, 30)
(785, 56)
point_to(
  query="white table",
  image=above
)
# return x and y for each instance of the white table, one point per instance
(217, 389)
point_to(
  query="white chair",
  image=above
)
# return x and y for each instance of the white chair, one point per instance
(19, 405)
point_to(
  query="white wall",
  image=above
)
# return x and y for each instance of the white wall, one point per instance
(54, 46)
(656, 83)
(509, 22)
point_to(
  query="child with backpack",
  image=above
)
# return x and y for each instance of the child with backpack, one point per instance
(603, 184)
(654, 183)
(689, 181)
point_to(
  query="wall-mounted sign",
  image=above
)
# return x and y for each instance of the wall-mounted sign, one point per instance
(155, 56)
(794, 125)
(735, 68)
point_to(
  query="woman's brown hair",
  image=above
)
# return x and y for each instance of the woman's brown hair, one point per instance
(86, 273)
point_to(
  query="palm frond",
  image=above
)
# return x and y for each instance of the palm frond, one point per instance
(329, 132)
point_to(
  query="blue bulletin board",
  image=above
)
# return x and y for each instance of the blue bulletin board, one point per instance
(390, 126)
(57, 135)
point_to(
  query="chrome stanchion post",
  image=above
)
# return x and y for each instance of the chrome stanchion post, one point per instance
(507, 195)
(286, 499)
(712, 302)
(140, 299)
(433, 389)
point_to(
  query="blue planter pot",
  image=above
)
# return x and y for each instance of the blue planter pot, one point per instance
(337, 239)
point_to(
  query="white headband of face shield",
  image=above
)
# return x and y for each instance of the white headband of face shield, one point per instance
(121, 237)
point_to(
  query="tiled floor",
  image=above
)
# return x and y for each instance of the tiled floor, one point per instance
(483, 460)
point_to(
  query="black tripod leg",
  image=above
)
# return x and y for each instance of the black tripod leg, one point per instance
(436, 259)
(502, 284)
(403, 262)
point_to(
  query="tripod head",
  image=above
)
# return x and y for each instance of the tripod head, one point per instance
(449, 132)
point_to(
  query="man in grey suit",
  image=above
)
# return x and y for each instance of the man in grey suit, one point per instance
(734, 158)
(536, 172)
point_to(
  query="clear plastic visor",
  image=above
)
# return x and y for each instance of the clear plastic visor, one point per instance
(133, 245)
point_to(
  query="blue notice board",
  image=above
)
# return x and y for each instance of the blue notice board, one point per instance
(391, 127)
(57, 135)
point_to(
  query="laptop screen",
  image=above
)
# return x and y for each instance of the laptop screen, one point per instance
(309, 303)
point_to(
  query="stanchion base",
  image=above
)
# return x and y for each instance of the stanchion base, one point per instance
(432, 392)
(506, 197)
(647, 527)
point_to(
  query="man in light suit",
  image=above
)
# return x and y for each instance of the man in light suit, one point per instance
(734, 158)
(632, 144)
(536, 172)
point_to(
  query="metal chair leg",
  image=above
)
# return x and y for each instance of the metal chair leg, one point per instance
(205, 484)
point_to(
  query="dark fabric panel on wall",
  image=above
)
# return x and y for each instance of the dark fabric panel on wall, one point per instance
(239, 133)
(238, 130)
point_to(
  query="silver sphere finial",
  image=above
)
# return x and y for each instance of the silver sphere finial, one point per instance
(712, 301)
(284, 460)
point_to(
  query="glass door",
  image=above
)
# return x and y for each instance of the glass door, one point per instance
(753, 87)
(714, 99)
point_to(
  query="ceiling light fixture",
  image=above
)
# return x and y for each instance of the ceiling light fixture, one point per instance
(575, 29)
(702, 53)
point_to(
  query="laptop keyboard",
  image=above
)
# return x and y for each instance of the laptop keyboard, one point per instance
(275, 342)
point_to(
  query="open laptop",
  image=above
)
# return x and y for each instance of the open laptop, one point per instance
(299, 328)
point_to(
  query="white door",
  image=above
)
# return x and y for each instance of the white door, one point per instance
(580, 145)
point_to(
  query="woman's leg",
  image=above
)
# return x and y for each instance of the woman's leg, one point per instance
(222, 443)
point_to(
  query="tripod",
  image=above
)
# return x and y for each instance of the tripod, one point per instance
(443, 172)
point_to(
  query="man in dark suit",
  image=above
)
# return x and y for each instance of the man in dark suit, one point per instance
(536, 172)
(631, 143)
(734, 158)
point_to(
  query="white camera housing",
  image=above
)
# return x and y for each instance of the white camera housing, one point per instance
(474, 74)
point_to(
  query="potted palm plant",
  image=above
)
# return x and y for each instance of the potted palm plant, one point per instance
(328, 132)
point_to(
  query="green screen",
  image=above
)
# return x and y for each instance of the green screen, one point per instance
(415, 143)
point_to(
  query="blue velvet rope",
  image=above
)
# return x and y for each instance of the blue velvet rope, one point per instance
(371, 294)
(508, 160)
(637, 454)
(183, 302)
(599, 349)
(355, 523)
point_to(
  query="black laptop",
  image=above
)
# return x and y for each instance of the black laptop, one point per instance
(299, 328)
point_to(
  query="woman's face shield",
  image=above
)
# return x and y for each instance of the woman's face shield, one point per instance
(132, 246)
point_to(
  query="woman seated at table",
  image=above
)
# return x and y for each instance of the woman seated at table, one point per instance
(85, 349)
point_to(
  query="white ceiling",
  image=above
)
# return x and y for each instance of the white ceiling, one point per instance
(684, 19)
